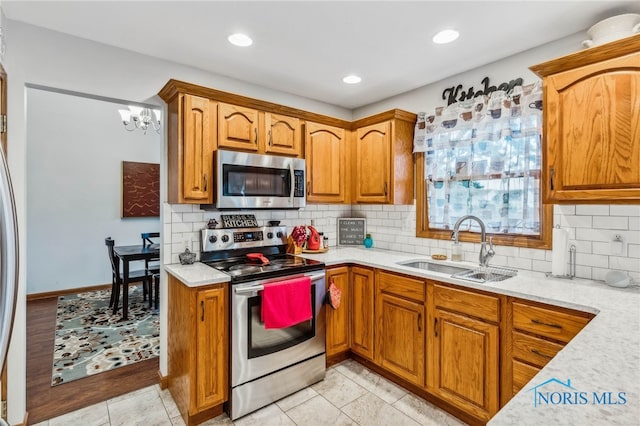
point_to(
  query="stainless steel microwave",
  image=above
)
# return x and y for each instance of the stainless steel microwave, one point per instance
(259, 181)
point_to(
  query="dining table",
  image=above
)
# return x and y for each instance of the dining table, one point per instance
(128, 254)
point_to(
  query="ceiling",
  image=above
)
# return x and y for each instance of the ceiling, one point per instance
(306, 47)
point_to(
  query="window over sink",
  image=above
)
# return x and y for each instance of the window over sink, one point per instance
(483, 157)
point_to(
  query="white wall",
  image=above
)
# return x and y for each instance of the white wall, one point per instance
(75, 149)
(42, 57)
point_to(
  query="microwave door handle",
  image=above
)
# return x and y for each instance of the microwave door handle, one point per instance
(293, 182)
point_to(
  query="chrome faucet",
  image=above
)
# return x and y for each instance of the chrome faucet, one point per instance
(485, 255)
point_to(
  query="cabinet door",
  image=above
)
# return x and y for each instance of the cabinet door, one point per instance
(237, 127)
(463, 367)
(592, 138)
(372, 177)
(338, 319)
(197, 149)
(211, 347)
(400, 337)
(362, 304)
(283, 135)
(325, 152)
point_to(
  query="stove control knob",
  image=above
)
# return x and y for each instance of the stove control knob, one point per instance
(279, 234)
(225, 238)
(213, 239)
(269, 235)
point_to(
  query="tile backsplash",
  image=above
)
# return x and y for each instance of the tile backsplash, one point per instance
(592, 228)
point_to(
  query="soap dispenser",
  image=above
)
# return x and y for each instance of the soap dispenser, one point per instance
(368, 241)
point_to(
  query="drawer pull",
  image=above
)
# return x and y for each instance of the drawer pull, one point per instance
(202, 307)
(535, 321)
(537, 352)
(435, 326)
(419, 322)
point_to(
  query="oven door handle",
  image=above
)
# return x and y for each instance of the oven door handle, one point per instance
(256, 288)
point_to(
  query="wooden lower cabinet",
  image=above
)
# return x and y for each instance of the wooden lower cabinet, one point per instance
(537, 332)
(400, 324)
(197, 349)
(338, 326)
(362, 311)
(463, 367)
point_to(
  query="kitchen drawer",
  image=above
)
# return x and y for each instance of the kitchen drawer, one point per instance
(534, 350)
(522, 373)
(401, 286)
(470, 303)
(547, 322)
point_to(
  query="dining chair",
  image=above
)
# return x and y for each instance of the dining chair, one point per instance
(117, 277)
(152, 268)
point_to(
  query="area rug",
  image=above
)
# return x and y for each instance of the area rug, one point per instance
(89, 339)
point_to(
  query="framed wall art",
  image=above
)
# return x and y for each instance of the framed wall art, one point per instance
(140, 189)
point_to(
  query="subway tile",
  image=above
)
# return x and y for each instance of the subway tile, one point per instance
(561, 209)
(192, 217)
(576, 221)
(601, 248)
(599, 273)
(624, 263)
(534, 254)
(177, 227)
(583, 272)
(582, 246)
(519, 263)
(634, 250)
(611, 222)
(624, 210)
(592, 209)
(592, 260)
(540, 266)
(186, 208)
(634, 223)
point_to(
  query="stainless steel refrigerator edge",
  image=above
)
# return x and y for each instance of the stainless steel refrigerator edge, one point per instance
(8, 259)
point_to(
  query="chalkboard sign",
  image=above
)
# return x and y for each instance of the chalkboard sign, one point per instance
(351, 231)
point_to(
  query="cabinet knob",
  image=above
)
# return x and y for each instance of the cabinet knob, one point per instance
(256, 131)
(270, 138)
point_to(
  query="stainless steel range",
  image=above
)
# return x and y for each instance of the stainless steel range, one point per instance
(267, 364)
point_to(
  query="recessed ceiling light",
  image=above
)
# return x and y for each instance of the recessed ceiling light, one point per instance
(239, 39)
(445, 36)
(352, 79)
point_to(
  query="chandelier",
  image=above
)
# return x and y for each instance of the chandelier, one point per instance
(140, 118)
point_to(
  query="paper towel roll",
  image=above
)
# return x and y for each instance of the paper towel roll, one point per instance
(560, 251)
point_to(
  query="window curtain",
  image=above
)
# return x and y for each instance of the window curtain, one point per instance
(483, 157)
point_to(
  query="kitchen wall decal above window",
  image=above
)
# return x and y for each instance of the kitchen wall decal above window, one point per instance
(456, 94)
(140, 189)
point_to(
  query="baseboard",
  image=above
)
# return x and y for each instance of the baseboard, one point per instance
(163, 381)
(50, 294)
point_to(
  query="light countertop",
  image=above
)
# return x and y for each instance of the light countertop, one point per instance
(603, 357)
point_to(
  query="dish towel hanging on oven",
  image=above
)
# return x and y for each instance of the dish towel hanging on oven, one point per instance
(286, 303)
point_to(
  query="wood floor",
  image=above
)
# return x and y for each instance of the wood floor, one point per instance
(45, 401)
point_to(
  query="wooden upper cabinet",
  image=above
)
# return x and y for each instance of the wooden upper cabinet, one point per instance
(591, 137)
(325, 152)
(237, 127)
(383, 159)
(373, 177)
(192, 133)
(283, 135)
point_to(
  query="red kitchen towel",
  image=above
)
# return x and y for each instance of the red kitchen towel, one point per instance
(286, 303)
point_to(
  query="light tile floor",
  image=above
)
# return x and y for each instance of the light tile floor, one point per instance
(349, 395)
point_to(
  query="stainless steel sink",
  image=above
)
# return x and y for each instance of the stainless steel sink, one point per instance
(486, 274)
(435, 267)
(478, 275)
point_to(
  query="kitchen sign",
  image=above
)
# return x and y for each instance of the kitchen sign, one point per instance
(351, 231)
(239, 221)
(456, 94)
